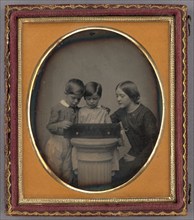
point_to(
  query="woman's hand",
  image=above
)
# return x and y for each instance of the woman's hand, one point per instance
(129, 158)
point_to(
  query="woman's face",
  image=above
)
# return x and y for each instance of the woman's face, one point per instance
(123, 99)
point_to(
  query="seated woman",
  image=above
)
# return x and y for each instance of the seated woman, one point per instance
(140, 126)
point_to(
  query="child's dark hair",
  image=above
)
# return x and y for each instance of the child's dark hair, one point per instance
(129, 88)
(92, 88)
(75, 86)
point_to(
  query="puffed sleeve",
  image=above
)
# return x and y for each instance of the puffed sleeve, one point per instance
(151, 134)
(150, 126)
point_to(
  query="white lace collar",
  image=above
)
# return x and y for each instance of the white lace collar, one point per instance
(63, 102)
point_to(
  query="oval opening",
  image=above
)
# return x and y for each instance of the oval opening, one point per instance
(108, 57)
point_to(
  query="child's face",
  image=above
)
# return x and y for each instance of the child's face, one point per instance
(92, 101)
(73, 100)
(123, 99)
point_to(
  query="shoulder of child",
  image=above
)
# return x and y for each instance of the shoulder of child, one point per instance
(59, 106)
(56, 107)
(105, 108)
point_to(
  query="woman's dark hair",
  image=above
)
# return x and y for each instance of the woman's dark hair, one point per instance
(129, 88)
(75, 86)
(92, 88)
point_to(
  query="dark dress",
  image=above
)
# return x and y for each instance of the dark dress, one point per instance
(141, 129)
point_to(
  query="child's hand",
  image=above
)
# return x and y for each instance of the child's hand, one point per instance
(65, 124)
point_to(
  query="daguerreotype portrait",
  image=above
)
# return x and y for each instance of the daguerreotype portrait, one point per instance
(96, 108)
(98, 117)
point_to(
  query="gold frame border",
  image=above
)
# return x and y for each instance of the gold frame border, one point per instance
(8, 119)
(151, 61)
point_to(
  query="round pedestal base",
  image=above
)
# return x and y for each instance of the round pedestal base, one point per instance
(94, 161)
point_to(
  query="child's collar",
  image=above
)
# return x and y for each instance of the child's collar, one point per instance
(64, 103)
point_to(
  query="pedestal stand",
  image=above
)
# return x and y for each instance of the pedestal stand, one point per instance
(94, 160)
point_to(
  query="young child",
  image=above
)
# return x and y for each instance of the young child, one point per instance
(93, 113)
(63, 115)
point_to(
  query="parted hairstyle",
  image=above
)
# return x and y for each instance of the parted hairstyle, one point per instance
(130, 88)
(92, 88)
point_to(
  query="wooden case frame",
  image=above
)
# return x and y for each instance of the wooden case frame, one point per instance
(21, 202)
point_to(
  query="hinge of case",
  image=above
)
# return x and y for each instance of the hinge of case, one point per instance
(189, 194)
(189, 24)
